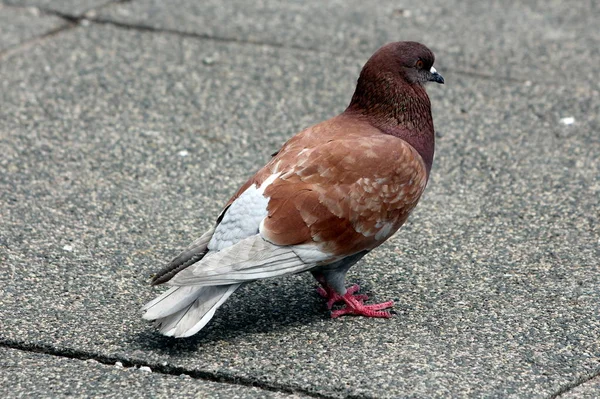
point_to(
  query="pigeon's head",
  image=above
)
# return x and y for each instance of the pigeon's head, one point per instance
(411, 61)
(393, 78)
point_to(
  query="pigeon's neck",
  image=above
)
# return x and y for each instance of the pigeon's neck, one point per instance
(400, 109)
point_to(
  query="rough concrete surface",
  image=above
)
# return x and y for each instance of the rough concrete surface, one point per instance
(522, 40)
(123, 136)
(36, 375)
(20, 25)
(68, 8)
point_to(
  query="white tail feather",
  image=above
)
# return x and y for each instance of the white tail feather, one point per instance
(183, 311)
(170, 302)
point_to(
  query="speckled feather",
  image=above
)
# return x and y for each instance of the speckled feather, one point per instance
(342, 185)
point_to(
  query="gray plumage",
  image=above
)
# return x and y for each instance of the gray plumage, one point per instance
(203, 280)
(183, 311)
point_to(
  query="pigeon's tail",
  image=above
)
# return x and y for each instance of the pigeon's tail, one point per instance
(183, 311)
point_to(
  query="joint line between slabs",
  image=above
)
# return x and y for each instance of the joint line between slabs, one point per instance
(570, 386)
(85, 16)
(158, 368)
(77, 19)
(36, 39)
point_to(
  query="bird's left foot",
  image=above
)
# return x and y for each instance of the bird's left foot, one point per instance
(354, 303)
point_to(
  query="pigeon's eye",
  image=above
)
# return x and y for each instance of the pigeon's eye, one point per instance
(420, 64)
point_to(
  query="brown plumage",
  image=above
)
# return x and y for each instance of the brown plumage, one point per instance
(334, 190)
(332, 193)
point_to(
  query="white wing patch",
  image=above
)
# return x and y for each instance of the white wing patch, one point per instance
(243, 217)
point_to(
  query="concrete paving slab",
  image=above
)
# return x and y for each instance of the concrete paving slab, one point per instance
(526, 40)
(36, 375)
(74, 8)
(121, 146)
(19, 25)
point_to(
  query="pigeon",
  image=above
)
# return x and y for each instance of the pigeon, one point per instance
(330, 195)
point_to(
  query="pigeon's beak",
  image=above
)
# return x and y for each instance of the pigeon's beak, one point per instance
(434, 76)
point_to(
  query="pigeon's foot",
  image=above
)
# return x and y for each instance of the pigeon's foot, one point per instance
(354, 303)
(333, 297)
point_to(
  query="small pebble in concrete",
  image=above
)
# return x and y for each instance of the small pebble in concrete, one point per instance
(569, 120)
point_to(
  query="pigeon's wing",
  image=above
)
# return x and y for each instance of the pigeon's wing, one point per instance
(346, 195)
(239, 219)
(238, 253)
(250, 259)
(312, 205)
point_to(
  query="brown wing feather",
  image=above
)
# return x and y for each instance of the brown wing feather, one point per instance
(345, 187)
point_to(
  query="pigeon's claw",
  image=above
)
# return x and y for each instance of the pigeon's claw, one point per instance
(357, 307)
(333, 297)
(354, 303)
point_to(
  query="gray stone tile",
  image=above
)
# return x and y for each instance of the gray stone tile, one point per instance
(20, 25)
(541, 41)
(495, 276)
(35, 375)
(69, 7)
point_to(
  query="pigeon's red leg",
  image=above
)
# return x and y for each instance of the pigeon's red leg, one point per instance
(356, 307)
(354, 303)
(333, 297)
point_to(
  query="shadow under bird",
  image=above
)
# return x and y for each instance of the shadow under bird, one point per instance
(332, 193)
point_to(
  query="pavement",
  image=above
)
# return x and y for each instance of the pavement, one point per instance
(126, 125)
